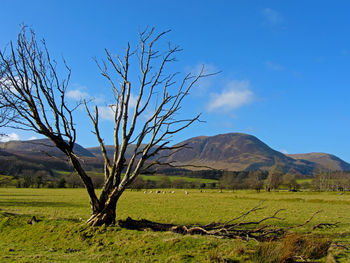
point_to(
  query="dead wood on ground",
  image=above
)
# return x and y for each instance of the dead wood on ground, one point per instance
(237, 227)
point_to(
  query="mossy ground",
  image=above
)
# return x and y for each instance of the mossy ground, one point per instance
(61, 235)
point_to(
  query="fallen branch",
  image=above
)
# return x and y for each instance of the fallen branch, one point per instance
(245, 230)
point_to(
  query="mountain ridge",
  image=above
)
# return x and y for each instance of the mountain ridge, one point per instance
(230, 151)
(236, 151)
(326, 160)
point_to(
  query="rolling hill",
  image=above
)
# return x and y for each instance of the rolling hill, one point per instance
(232, 151)
(236, 151)
(40, 147)
(40, 154)
(325, 160)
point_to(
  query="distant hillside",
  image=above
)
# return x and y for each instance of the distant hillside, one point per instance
(327, 161)
(16, 156)
(40, 147)
(232, 152)
(236, 151)
(96, 151)
(13, 164)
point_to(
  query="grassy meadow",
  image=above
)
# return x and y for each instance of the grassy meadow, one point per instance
(61, 235)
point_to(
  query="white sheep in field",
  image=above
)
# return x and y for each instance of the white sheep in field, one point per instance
(186, 192)
(145, 192)
(173, 192)
(151, 192)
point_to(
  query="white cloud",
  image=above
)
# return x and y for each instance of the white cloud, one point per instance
(33, 138)
(271, 16)
(203, 84)
(9, 137)
(274, 66)
(132, 101)
(77, 94)
(8, 84)
(237, 94)
(106, 112)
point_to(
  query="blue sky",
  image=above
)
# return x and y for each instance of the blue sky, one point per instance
(285, 64)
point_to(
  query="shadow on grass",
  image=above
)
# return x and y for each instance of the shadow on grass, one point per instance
(13, 203)
(26, 195)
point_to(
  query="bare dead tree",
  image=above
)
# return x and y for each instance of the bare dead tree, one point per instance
(32, 88)
(6, 114)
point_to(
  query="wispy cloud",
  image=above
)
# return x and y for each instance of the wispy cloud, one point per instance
(274, 66)
(9, 137)
(237, 94)
(203, 85)
(77, 94)
(107, 112)
(271, 16)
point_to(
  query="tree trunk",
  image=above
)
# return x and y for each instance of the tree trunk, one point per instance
(105, 217)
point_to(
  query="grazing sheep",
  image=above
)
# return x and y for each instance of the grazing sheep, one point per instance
(173, 192)
(158, 192)
(151, 192)
(145, 192)
(186, 192)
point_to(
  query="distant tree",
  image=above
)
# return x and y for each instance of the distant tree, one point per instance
(213, 185)
(255, 180)
(40, 178)
(30, 86)
(290, 181)
(228, 181)
(28, 176)
(138, 183)
(274, 179)
(73, 180)
(322, 181)
(179, 183)
(164, 182)
(5, 180)
(61, 183)
(331, 181)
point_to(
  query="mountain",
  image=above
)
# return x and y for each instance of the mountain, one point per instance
(325, 160)
(15, 164)
(236, 151)
(96, 151)
(40, 147)
(232, 152)
(16, 156)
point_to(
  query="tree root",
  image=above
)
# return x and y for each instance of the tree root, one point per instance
(235, 228)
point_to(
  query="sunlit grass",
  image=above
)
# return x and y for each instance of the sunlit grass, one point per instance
(63, 212)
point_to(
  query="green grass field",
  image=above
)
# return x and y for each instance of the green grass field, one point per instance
(61, 236)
